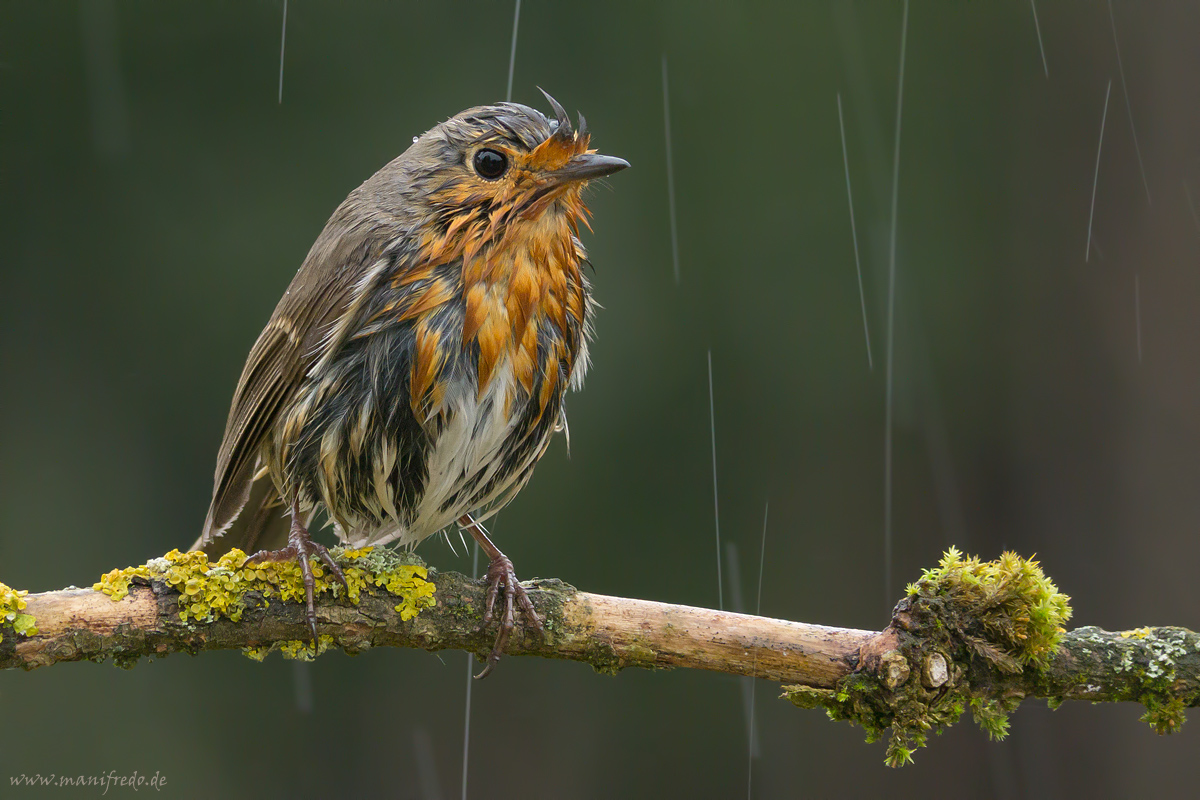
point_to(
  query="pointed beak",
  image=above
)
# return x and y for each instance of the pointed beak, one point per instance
(586, 167)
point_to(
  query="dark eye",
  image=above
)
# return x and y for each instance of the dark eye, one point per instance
(490, 164)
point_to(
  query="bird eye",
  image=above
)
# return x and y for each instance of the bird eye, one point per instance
(490, 164)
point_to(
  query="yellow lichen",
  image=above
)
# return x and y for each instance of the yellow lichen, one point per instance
(211, 590)
(115, 584)
(302, 651)
(12, 603)
(256, 653)
(409, 583)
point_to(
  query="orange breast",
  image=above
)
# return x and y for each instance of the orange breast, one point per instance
(527, 289)
(522, 288)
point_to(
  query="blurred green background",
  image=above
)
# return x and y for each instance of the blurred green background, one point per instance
(156, 199)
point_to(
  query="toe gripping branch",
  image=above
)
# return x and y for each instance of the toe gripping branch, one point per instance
(500, 572)
(300, 547)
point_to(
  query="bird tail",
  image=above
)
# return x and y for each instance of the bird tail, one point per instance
(262, 523)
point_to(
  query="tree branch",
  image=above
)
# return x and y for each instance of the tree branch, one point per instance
(610, 633)
(972, 635)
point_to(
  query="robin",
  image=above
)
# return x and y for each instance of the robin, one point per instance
(415, 369)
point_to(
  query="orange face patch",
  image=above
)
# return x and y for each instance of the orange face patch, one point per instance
(557, 150)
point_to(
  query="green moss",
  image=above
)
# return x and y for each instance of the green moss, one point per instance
(12, 603)
(991, 717)
(864, 701)
(898, 755)
(1164, 713)
(910, 711)
(851, 701)
(1007, 609)
(212, 590)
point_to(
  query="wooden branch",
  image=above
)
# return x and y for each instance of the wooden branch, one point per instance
(610, 633)
(941, 654)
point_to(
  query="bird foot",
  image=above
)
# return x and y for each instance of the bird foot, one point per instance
(300, 548)
(500, 572)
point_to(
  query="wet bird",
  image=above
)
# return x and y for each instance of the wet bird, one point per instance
(415, 369)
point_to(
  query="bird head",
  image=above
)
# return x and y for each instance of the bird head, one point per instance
(482, 173)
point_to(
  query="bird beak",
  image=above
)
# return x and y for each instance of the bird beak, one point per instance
(585, 167)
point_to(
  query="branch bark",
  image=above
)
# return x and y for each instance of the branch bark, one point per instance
(609, 633)
(921, 672)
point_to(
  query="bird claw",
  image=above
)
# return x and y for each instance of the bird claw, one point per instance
(500, 571)
(300, 548)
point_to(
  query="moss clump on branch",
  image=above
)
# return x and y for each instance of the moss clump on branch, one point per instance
(12, 603)
(1006, 610)
(210, 590)
(916, 676)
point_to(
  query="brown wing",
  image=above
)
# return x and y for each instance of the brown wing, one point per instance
(310, 321)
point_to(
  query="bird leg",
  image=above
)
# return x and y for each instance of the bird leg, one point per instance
(499, 571)
(300, 547)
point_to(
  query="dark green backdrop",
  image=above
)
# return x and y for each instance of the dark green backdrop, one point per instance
(155, 199)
